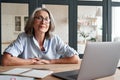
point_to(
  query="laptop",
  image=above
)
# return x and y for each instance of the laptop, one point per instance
(100, 60)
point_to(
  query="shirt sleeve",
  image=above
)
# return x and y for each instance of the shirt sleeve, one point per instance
(64, 49)
(16, 47)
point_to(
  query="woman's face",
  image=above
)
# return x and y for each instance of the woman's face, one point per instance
(41, 22)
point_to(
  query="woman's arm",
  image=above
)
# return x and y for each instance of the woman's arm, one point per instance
(9, 60)
(67, 60)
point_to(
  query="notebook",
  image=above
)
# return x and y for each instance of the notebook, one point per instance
(28, 72)
(100, 60)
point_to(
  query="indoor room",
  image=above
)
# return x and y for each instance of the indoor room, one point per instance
(77, 22)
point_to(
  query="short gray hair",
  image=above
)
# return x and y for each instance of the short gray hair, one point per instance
(29, 25)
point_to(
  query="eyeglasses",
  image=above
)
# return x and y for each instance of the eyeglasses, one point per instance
(47, 20)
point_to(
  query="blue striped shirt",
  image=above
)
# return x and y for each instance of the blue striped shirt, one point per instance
(27, 47)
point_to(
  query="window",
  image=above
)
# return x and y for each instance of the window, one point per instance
(115, 24)
(89, 26)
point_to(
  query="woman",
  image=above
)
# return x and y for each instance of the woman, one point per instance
(37, 45)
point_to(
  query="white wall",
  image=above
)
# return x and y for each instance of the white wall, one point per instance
(8, 12)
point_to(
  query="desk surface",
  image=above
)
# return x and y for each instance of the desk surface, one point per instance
(59, 68)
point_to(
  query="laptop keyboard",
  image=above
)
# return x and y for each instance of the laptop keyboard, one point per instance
(74, 76)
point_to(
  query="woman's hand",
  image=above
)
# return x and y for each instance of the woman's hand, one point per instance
(33, 60)
(42, 61)
(68, 60)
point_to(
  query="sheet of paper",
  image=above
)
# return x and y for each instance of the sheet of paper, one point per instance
(9, 77)
(38, 73)
(16, 71)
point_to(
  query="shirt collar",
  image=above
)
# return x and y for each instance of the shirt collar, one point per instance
(45, 44)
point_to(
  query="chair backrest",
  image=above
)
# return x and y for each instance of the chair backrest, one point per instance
(0, 58)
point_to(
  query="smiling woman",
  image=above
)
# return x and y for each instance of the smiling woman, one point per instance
(42, 22)
(38, 45)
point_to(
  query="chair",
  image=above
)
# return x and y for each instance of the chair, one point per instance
(0, 58)
(81, 56)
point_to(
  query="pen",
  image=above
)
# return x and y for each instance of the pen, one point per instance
(40, 68)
